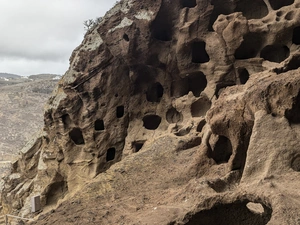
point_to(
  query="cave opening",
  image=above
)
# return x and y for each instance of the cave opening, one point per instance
(56, 191)
(99, 125)
(155, 92)
(235, 213)
(243, 75)
(197, 83)
(188, 3)
(125, 37)
(173, 116)
(162, 27)
(199, 54)
(137, 146)
(151, 122)
(76, 136)
(275, 53)
(257, 10)
(110, 154)
(222, 150)
(250, 46)
(296, 163)
(200, 107)
(296, 36)
(200, 125)
(120, 111)
(275, 4)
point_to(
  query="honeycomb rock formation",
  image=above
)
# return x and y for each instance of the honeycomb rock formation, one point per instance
(172, 112)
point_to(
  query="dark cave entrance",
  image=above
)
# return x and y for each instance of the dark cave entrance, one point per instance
(237, 213)
(76, 136)
(275, 53)
(137, 146)
(199, 54)
(151, 122)
(110, 154)
(155, 92)
(276, 4)
(296, 36)
(120, 111)
(188, 3)
(99, 125)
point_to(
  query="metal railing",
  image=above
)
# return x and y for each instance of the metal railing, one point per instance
(7, 216)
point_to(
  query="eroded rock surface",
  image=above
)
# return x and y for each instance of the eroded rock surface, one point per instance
(172, 112)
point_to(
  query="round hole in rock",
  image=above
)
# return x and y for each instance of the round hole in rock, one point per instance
(151, 122)
(200, 107)
(199, 54)
(162, 26)
(188, 3)
(222, 150)
(277, 4)
(296, 36)
(243, 75)
(99, 125)
(296, 163)
(275, 53)
(235, 213)
(120, 111)
(250, 46)
(155, 92)
(76, 136)
(173, 116)
(257, 10)
(125, 37)
(110, 154)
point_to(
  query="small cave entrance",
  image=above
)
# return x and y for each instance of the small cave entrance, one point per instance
(188, 3)
(155, 92)
(66, 120)
(199, 54)
(296, 36)
(99, 125)
(200, 125)
(275, 53)
(162, 27)
(110, 154)
(257, 10)
(151, 122)
(293, 114)
(200, 107)
(236, 213)
(222, 150)
(125, 37)
(194, 82)
(250, 46)
(296, 163)
(275, 4)
(243, 75)
(76, 136)
(120, 111)
(56, 191)
(173, 116)
(137, 146)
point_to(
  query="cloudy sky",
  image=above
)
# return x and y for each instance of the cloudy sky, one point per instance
(38, 36)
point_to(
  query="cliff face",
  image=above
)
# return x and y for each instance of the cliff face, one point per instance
(172, 112)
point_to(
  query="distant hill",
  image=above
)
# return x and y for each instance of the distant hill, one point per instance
(22, 101)
(9, 75)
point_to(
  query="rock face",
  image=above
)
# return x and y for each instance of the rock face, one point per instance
(172, 112)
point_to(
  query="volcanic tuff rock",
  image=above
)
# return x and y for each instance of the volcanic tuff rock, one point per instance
(172, 112)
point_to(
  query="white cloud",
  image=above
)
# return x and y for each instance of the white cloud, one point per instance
(38, 36)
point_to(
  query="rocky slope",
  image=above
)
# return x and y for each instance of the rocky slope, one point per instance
(22, 100)
(172, 112)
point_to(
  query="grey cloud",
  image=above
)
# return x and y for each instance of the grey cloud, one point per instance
(42, 32)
